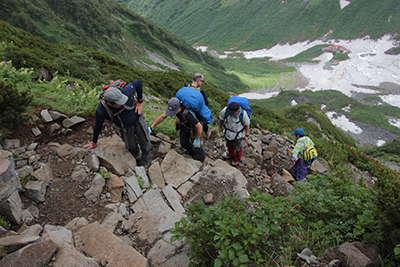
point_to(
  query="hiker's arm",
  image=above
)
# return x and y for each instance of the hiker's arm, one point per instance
(221, 123)
(296, 150)
(160, 119)
(199, 129)
(91, 145)
(97, 130)
(139, 108)
(246, 137)
(139, 92)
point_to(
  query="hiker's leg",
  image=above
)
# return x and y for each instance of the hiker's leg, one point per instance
(301, 170)
(295, 169)
(128, 135)
(239, 143)
(231, 148)
(199, 153)
(238, 156)
(142, 134)
(185, 140)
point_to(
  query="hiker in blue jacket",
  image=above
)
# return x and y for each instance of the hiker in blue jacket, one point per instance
(127, 118)
(189, 125)
(198, 80)
(299, 165)
(236, 124)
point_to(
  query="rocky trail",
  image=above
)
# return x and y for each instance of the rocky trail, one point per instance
(62, 197)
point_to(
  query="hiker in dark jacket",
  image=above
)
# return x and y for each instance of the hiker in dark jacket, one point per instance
(127, 119)
(189, 125)
(236, 124)
(299, 164)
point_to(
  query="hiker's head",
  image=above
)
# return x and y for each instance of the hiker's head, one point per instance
(198, 79)
(115, 96)
(298, 132)
(233, 108)
(173, 107)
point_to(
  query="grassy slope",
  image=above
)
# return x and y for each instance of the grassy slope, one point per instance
(109, 27)
(163, 84)
(374, 115)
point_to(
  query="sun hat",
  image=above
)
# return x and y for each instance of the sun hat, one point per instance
(299, 132)
(173, 106)
(232, 108)
(114, 95)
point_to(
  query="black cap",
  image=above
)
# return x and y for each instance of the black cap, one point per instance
(232, 108)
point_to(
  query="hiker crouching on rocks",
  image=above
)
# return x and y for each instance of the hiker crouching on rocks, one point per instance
(236, 125)
(128, 119)
(299, 165)
(189, 125)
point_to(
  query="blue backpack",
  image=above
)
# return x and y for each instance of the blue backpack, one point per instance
(244, 104)
(194, 101)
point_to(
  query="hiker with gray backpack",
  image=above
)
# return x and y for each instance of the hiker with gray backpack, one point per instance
(304, 153)
(235, 124)
(119, 106)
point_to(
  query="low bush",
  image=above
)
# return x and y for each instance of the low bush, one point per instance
(15, 94)
(323, 212)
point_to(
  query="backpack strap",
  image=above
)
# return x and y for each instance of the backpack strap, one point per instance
(241, 121)
(109, 111)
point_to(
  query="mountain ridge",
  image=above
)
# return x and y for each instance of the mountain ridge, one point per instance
(260, 24)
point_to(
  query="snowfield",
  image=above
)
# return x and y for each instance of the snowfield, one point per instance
(368, 66)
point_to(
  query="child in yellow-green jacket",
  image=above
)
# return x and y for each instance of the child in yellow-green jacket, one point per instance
(300, 166)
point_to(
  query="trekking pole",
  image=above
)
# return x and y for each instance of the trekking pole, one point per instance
(162, 139)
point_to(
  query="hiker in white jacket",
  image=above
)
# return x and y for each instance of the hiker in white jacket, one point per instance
(235, 123)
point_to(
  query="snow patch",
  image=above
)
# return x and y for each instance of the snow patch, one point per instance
(395, 122)
(202, 48)
(259, 95)
(393, 100)
(343, 123)
(380, 142)
(343, 3)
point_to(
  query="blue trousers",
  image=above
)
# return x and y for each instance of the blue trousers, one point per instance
(300, 170)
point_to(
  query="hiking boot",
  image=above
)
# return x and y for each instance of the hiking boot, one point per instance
(227, 157)
(147, 164)
(234, 163)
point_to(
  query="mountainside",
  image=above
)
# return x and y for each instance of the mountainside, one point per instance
(109, 27)
(250, 25)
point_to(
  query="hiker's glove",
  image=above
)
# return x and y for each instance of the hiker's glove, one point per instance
(196, 143)
(150, 130)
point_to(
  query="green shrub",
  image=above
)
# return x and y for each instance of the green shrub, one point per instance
(75, 63)
(5, 223)
(323, 212)
(14, 94)
(229, 234)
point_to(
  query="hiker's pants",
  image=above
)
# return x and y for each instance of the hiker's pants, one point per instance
(187, 136)
(138, 132)
(300, 170)
(238, 144)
